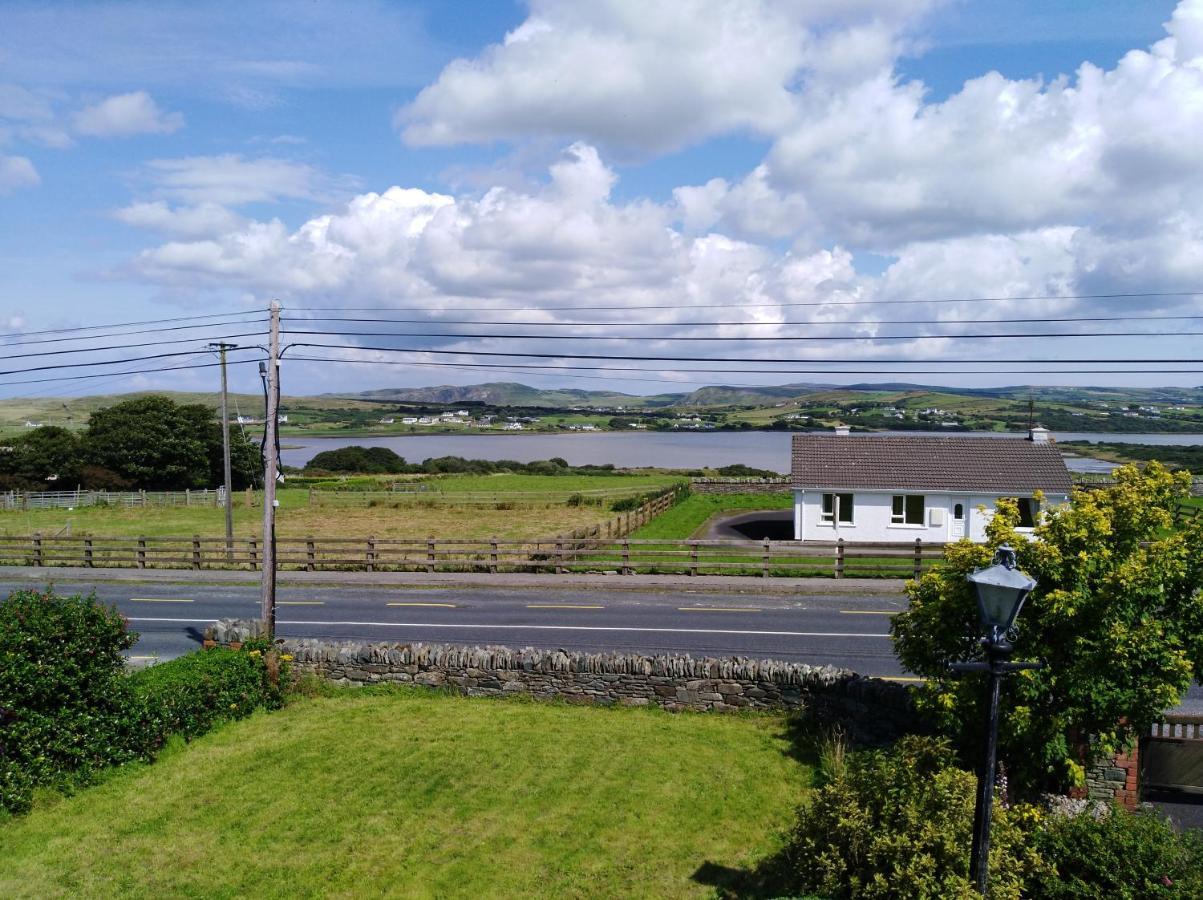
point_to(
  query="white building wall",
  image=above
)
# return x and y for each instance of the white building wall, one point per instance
(873, 512)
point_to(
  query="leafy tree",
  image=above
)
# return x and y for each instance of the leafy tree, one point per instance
(364, 460)
(40, 454)
(1117, 614)
(154, 442)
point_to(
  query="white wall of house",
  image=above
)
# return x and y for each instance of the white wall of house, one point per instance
(873, 519)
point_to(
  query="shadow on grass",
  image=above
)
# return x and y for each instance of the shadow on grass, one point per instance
(770, 877)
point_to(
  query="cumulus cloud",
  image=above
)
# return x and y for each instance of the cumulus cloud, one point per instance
(126, 114)
(874, 164)
(652, 76)
(17, 172)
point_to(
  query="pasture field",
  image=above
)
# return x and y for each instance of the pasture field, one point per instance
(687, 518)
(389, 792)
(538, 513)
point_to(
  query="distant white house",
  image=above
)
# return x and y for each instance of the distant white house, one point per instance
(895, 488)
(33, 424)
(387, 421)
(410, 420)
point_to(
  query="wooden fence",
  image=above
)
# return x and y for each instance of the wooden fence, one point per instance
(559, 556)
(81, 498)
(1187, 515)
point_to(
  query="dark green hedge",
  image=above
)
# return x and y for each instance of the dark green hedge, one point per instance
(68, 710)
(189, 695)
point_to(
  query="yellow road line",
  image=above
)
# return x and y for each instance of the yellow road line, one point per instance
(561, 606)
(900, 678)
(300, 602)
(158, 600)
(141, 657)
(869, 612)
(447, 605)
(718, 609)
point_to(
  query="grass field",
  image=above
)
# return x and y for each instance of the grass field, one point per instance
(688, 516)
(298, 519)
(377, 792)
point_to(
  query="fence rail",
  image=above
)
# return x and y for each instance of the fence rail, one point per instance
(79, 498)
(561, 555)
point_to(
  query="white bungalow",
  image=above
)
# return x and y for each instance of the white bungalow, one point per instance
(893, 488)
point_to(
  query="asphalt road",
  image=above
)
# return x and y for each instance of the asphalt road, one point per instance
(840, 629)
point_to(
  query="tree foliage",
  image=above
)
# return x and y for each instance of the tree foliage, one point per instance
(1117, 614)
(153, 442)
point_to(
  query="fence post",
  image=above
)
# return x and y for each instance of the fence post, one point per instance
(196, 551)
(187, 496)
(250, 498)
(559, 557)
(839, 558)
(693, 557)
(430, 554)
(142, 496)
(37, 548)
(254, 551)
(764, 562)
(493, 556)
(311, 496)
(371, 554)
(918, 557)
(142, 547)
(310, 554)
(626, 556)
(88, 552)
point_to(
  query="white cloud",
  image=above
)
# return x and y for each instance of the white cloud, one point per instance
(872, 163)
(203, 220)
(230, 179)
(126, 114)
(630, 74)
(17, 172)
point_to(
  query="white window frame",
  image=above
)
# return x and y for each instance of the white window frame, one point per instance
(827, 509)
(899, 519)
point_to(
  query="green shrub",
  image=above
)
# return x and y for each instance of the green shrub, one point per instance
(65, 707)
(190, 694)
(1118, 855)
(899, 823)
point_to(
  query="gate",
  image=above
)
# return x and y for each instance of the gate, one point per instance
(1172, 756)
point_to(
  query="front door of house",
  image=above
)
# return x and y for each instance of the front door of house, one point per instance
(958, 521)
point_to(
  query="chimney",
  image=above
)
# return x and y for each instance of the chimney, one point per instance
(843, 429)
(1038, 434)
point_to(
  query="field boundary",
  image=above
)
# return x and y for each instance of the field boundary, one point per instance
(558, 556)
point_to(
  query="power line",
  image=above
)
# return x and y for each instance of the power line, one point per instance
(1116, 296)
(106, 362)
(765, 372)
(140, 322)
(236, 362)
(1011, 321)
(1031, 335)
(713, 359)
(91, 337)
(77, 350)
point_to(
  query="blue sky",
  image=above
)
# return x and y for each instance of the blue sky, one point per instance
(790, 165)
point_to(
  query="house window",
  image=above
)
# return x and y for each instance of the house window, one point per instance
(1029, 512)
(837, 502)
(958, 511)
(907, 509)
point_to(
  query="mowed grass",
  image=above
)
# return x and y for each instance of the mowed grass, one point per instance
(380, 792)
(688, 516)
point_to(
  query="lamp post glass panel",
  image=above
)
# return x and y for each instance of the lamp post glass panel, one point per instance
(1001, 589)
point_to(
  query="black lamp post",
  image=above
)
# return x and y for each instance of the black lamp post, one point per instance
(1001, 589)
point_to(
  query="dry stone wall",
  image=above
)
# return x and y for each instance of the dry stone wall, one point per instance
(870, 711)
(741, 485)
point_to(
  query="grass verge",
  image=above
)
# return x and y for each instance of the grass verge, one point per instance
(691, 513)
(399, 792)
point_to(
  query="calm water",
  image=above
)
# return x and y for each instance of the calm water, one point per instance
(684, 450)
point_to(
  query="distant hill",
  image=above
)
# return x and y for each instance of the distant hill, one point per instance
(508, 393)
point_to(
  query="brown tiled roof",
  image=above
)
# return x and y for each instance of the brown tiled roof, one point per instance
(921, 463)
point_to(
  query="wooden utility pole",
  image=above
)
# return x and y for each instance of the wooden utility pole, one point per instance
(268, 584)
(222, 347)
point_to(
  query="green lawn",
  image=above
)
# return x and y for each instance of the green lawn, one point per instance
(390, 792)
(690, 514)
